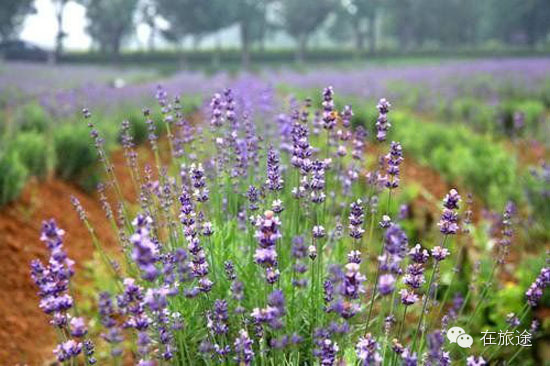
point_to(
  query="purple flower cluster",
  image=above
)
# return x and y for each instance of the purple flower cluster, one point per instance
(243, 349)
(535, 291)
(267, 234)
(199, 266)
(436, 355)
(367, 351)
(329, 115)
(356, 218)
(145, 250)
(395, 250)
(274, 179)
(448, 224)
(382, 123)
(393, 159)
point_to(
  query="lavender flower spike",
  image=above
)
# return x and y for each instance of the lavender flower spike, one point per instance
(382, 124)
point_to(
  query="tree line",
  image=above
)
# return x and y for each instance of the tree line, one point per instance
(363, 24)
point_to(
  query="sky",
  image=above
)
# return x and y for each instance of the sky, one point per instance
(40, 28)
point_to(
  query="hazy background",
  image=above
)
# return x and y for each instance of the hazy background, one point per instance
(257, 27)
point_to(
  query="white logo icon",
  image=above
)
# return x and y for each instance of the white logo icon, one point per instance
(459, 336)
(465, 341)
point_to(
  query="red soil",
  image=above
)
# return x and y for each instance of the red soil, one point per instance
(25, 335)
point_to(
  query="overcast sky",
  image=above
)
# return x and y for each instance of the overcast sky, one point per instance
(41, 28)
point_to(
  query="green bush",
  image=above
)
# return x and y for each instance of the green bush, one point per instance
(32, 117)
(34, 152)
(537, 189)
(533, 111)
(461, 156)
(75, 155)
(475, 112)
(12, 177)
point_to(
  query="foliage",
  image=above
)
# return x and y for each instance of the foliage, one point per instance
(13, 177)
(75, 155)
(110, 22)
(34, 152)
(12, 15)
(32, 117)
(461, 156)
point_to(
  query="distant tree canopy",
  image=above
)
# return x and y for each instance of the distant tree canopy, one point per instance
(109, 22)
(397, 24)
(302, 18)
(12, 15)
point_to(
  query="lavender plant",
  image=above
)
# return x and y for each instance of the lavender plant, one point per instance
(235, 253)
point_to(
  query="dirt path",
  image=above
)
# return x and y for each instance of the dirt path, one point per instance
(25, 335)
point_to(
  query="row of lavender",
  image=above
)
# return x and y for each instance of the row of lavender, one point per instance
(270, 240)
(506, 96)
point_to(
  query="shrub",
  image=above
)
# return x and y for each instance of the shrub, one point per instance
(75, 155)
(32, 117)
(532, 111)
(461, 156)
(34, 152)
(475, 112)
(12, 177)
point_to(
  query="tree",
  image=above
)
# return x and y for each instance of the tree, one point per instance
(250, 15)
(302, 18)
(520, 21)
(110, 21)
(195, 18)
(358, 18)
(59, 6)
(148, 14)
(12, 15)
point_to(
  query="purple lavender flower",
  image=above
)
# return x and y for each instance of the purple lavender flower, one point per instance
(356, 217)
(393, 159)
(274, 179)
(535, 291)
(53, 279)
(382, 124)
(78, 327)
(216, 119)
(436, 354)
(145, 251)
(329, 117)
(347, 115)
(408, 297)
(267, 234)
(448, 224)
(243, 349)
(318, 231)
(366, 350)
(217, 319)
(512, 320)
(439, 253)
(475, 361)
(67, 350)
(386, 284)
(409, 358)
(326, 351)
(419, 255)
(352, 285)
(253, 196)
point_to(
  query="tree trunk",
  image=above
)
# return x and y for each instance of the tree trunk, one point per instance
(372, 32)
(359, 37)
(60, 34)
(152, 36)
(216, 56)
(245, 45)
(301, 49)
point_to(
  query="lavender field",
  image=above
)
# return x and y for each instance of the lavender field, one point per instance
(330, 215)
